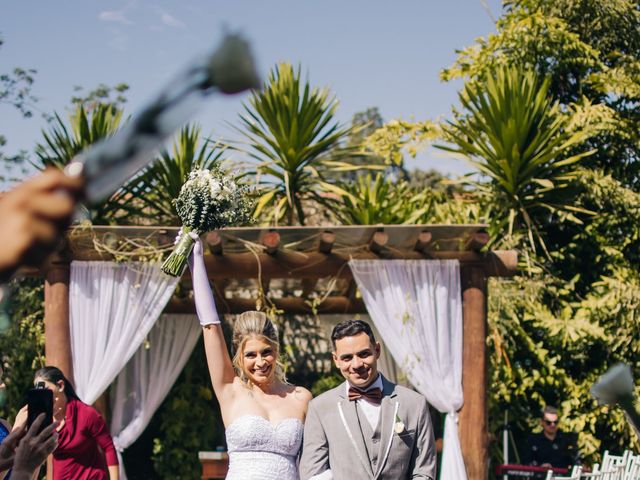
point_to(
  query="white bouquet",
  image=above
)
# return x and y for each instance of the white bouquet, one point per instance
(208, 200)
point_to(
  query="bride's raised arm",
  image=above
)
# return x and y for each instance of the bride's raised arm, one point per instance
(218, 360)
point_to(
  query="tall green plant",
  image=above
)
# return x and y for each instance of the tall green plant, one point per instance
(292, 134)
(61, 144)
(377, 200)
(513, 132)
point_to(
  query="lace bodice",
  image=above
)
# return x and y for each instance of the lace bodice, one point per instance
(260, 450)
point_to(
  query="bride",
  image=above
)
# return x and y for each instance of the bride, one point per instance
(263, 415)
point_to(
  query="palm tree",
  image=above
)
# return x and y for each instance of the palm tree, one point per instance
(291, 134)
(62, 144)
(515, 134)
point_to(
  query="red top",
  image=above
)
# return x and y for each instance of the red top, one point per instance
(78, 456)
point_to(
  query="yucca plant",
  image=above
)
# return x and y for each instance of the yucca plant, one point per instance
(61, 144)
(291, 134)
(515, 134)
(373, 200)
(153, 190)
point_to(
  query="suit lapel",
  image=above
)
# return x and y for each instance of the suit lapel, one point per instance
(388, 413)
(351, 424)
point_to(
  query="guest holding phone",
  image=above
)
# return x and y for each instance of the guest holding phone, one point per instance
(85, 448)
(26, 450)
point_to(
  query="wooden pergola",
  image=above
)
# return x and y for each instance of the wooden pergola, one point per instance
(289, 266)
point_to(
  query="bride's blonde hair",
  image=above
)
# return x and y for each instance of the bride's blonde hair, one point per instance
(255, 324)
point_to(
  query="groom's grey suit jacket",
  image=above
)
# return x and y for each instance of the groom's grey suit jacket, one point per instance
(335, 439)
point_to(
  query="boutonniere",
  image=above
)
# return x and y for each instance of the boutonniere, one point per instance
(398, 427)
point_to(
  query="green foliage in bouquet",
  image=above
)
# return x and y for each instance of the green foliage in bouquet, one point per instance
(209, 200)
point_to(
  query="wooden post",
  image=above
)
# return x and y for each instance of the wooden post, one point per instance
(57, 336)
(473, 426)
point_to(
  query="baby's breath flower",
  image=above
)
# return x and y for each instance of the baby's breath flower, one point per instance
(208, 200)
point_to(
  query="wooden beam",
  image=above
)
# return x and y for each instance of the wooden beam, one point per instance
(57, 335)
(308, 286)
(477, 241)
(289, 264)
(264, 285)
(220, 285)
(271, 241)
(165, 238)
(378, 242)
(473, 425)
(214, 242)
(327, 239)
(501, 263)
(423, 242)
(350, 291)
(292, 305)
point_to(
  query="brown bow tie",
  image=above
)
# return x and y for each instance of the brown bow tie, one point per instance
(374, 395)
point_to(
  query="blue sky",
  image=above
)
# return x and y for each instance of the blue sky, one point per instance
(368, 52)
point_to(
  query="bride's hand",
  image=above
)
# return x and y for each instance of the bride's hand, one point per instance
(196, 252)
(197, 247)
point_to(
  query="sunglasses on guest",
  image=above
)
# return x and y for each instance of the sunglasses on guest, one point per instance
(550, 422)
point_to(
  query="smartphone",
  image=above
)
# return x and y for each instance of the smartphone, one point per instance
(40, 400)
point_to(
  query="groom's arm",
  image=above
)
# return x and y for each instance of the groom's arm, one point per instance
(315, 449)
(423, 458)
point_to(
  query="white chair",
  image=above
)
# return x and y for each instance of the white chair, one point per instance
(594, 474)
(614, 466)
(574, 475)
(632, 472)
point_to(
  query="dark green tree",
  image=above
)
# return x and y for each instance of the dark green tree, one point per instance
(572, 313)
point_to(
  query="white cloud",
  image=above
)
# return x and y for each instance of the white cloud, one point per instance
(119, 40)
(114, 16)
(171, 21)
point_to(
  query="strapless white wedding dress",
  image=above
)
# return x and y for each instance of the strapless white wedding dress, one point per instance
(260, 450)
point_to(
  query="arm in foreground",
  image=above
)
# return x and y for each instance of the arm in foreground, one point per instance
(315, 449)
(8, 447)
(33, 449)
(33, 217)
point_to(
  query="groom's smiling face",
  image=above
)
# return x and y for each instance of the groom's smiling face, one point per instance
(357, 359)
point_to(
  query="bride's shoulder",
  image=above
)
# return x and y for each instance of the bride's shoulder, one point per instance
(300, 393)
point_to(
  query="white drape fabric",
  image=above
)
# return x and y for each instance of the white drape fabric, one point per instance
(147, 378)
(112, 307)
(416, 305)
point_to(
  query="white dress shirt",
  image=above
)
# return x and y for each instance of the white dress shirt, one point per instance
(371, 410)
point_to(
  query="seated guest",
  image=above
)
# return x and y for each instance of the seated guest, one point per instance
(552, 447)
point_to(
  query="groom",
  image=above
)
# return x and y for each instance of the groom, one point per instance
(366, 428)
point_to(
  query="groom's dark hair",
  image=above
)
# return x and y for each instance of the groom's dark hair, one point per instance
(350, 328)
